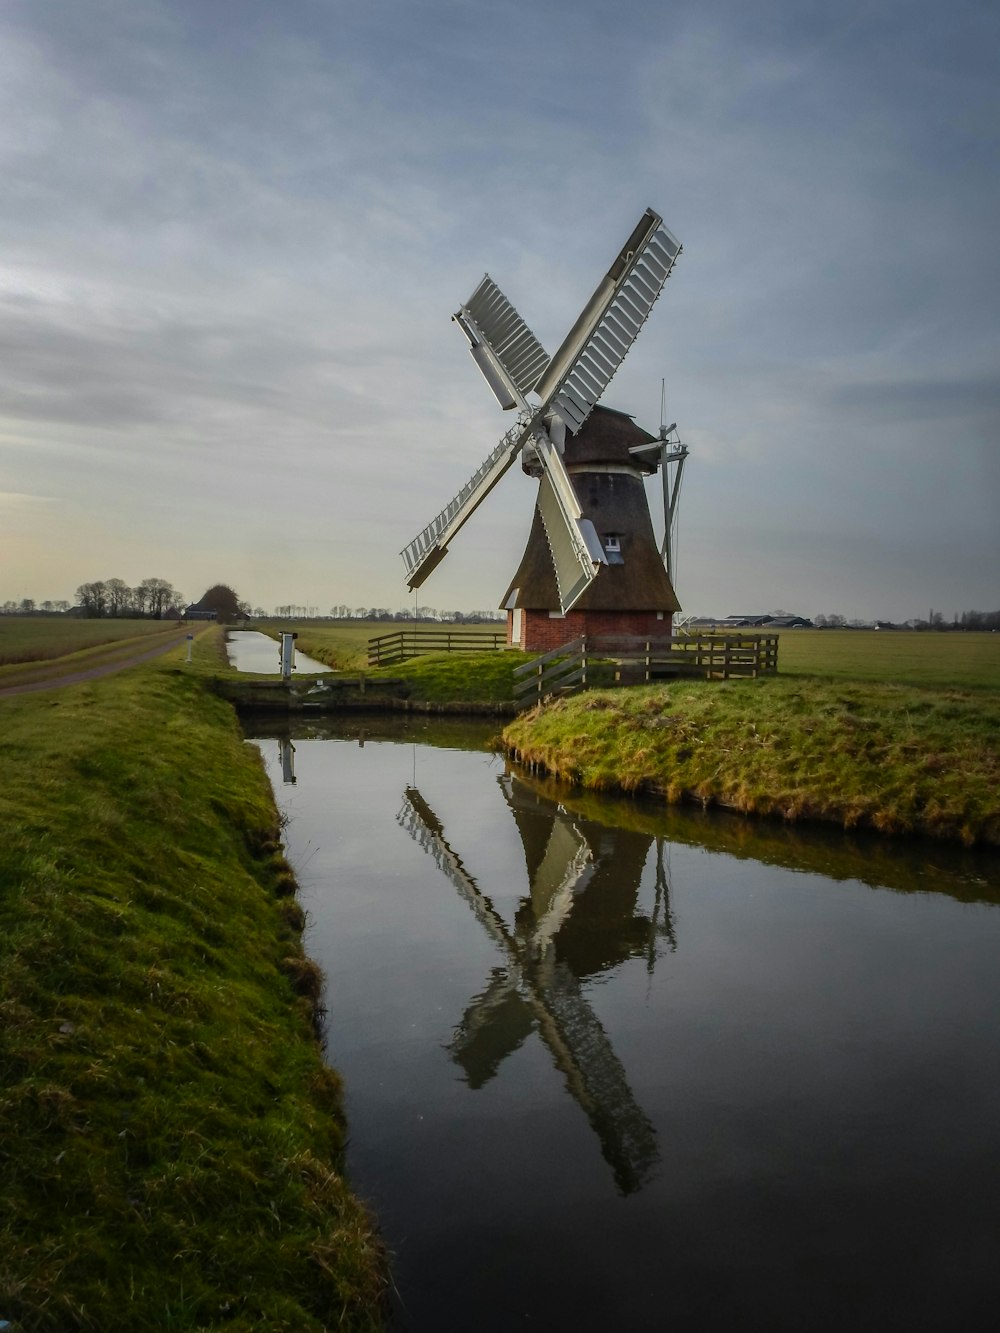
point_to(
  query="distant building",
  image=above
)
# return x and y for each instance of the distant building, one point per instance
(749, 622)
(196, 612)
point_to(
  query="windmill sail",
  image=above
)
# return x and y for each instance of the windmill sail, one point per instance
(506, 351)
(430, 546)
(576, 549)
(597, 344)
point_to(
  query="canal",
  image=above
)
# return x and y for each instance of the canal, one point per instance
(610, 1065)
(249, 650)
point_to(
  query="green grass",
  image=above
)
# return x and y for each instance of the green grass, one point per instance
(458, 678)
(968, 661)
(172, 1137)
(37, 639)
(893, 758)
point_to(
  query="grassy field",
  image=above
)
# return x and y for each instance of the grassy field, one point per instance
(41, 639)
(172, 1138)
(968, 661)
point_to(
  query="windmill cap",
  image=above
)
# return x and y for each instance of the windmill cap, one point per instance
(606, 437)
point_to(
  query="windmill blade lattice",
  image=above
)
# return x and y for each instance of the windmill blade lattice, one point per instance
(512, 351)
(584, 366)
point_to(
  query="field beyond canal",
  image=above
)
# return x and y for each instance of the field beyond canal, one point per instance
(172, 1136)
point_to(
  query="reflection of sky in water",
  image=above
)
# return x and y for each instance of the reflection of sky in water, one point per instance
(249, 650)
(788, 1083)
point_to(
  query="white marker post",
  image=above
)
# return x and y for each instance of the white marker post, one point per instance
(287, 654)
(190, 639)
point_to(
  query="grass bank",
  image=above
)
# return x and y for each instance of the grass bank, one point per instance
(893, 758)
(172, 1137)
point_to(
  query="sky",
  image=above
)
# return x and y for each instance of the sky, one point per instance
(232, 236)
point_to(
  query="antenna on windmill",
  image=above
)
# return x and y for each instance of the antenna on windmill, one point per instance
(669, 452)
(564, 389)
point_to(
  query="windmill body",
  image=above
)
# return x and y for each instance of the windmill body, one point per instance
(591, 564)
(633, 595)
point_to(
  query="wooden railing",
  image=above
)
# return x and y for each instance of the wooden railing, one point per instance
(387, 649)
(714, 656)
(604, 661)
(557, 670)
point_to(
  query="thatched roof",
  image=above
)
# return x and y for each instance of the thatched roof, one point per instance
(616, 504)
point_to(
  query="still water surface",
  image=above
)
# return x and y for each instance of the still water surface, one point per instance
(249, 650)
(609, 1066)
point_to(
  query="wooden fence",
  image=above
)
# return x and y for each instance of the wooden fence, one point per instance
(588, 662)
(387, 649)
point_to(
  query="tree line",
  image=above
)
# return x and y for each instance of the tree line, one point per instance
(151, 598)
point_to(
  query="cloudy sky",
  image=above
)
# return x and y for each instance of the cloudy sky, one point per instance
(234, 232)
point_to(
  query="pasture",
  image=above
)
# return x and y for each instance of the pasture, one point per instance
(25, 639)
(962, 661)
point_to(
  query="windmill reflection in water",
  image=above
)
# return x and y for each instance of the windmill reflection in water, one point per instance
(579, 918)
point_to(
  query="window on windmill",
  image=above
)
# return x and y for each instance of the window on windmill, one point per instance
(613, 548)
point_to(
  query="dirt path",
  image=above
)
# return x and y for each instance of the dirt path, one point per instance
(94, 673)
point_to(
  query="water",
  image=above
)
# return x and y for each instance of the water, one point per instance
(249, 650)
(613, 1066)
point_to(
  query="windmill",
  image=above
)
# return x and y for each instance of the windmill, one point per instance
(591, 564)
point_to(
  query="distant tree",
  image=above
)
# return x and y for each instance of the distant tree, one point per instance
(158, 597)
(61, 605)
(119, 597)
(27, 606)
(92, 599)
(221, 599)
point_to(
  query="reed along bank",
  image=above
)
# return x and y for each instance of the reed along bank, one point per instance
(895, 758)
(172, 1138)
